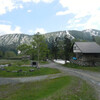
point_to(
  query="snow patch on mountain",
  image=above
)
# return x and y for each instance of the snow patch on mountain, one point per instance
(92, 32)
(69, 35)
(15, 39)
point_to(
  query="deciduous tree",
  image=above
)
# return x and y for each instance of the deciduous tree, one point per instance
(40, 46)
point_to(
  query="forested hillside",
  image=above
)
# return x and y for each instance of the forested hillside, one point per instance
(10, 42)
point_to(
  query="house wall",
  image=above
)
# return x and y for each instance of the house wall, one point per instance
(88, 59)
(76, 49)
(91, 57)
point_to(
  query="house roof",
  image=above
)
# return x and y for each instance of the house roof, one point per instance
(88, 47)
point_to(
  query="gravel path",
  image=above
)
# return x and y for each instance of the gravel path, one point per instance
(4, 81)
(91, 77)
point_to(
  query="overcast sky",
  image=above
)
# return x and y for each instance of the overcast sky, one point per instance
(31, 16)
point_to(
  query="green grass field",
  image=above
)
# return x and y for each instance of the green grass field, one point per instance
(19, 62)
(89, 68)
(63, 88)
(25, 71)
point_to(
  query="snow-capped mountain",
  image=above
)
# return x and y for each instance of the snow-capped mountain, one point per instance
(60, 34)
(85, 34)
(92, 32)
(17, 39)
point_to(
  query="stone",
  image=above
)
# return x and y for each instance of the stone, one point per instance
(25, 71)
(4, 65)
(19, 70)
(9, 64)
(14, 71)
(31, 70)
(8, 71)
(3, 69)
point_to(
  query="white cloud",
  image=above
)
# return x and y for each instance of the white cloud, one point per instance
(9, 5)
(35, 1)
(31, 31)
(81, 6)
(47, 1)
(80, 10)
(29, 11)
(21, 6)
(7, 29)
(93, 22)
(26, 0)
(6, 5)
(5, 22)
(17, 30)
(63, 12)
(41, 30)
(38, 1)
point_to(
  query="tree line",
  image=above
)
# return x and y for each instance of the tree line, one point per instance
(8, 51)
(42, 49)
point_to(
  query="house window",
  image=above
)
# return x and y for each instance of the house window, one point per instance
(74, 48)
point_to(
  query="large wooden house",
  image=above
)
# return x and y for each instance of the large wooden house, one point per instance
(87, 53)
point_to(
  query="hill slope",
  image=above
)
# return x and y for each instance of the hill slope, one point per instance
(17, 39)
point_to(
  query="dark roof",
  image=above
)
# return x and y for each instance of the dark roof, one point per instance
(88, 47)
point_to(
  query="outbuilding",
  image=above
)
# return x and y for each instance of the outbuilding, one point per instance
(87, 53)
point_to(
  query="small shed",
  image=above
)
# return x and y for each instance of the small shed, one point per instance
(26, 57)
(87, 53)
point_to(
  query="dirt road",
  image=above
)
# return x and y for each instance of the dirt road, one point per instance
(92, 78)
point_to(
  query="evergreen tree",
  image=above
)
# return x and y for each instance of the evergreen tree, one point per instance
(1, 54)
(9, 54)
(67, 48)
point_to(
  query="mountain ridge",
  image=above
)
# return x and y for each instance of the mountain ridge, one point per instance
(17, 39)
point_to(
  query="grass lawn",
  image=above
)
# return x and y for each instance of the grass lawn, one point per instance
(19, 62)
(15, 62)
(44, 62)
(25, 71)
(89, 68)
(63, 88)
